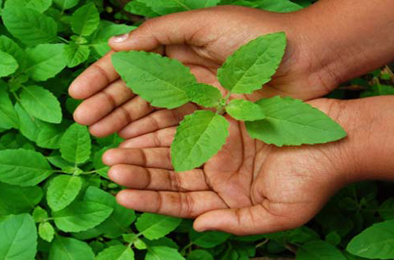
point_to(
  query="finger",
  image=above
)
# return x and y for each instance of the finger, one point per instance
(160, 138)
(141, 178)
(101, 104)
(158, 120)
(166, 30)
(150, 157)
(121, 116)
(177, 204)
(99, 75)
(246, 221)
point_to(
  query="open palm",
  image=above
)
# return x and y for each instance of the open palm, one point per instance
(247, 188)
(202, 40)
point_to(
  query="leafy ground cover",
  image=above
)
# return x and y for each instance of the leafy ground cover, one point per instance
(55, 199)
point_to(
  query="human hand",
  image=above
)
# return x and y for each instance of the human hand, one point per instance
(202, 40)
(248, 187)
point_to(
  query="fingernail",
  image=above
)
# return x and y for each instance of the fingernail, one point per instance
(120, 38)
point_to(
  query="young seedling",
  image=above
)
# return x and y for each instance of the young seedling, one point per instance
(167, 83)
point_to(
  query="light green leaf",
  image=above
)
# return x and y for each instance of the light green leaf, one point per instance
(29, 169)
(154, 226)
(66, 4)
(39, 214)
(41, 103)
(386, 210)
(8, 116)
(8, 64)
(45, 61)
(116, 253)
(198, 137)
(374, 242)
(76, 144)
(120, 219)
(164, 7)
(64, 248)
(37, 5)
(204, 95)
(18, 239)
(9, 46)
(208, 239)
(63, 190)
(244, 110)
(16, 200)
(253, 65)
(29, 26)
(46, 231)
(159, 80)
(81, 216)
(105, 31)
(75, 54)
(318, 250)
(292, 122)
(85, 20)
(199, 255)
(163, 253)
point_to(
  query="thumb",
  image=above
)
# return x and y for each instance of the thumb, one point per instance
(177, 28)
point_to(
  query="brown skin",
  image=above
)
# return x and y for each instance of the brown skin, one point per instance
(249, 187)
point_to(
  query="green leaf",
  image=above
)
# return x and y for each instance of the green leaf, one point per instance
(386, 210)
(29, 169)
(64, 248)
(159, 80)
(139, 8)
(8, 64)
(154, 226)
(163, 253)
(18, 240)
(120, 219)
(45, 61)
(198, 137)
(85, 20)
(204, 95)
(16, 200)
(374, 242)
(76, 144)
(46, 231)
(39, 214)
(208, 239)
(8, 116)
(105, 31)
(244, 110)
(280, 6)
(37, 5)
(164, 7)
(199, 255)
(41, 103)
(63, 190)
(319, 250)
(9, 46)
(292, 122)
(29, 26)
(66, 4)
(50, 135)
(81, 216)
(378, 90)
(75, 54)
(116, 253)
(28, 125)
(254, 64)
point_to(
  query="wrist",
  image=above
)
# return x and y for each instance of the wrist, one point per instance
(367, 151)
(346, 39)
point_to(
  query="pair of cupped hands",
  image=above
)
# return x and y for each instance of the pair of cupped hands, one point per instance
(248, 187)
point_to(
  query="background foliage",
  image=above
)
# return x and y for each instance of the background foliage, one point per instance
(55, 199)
